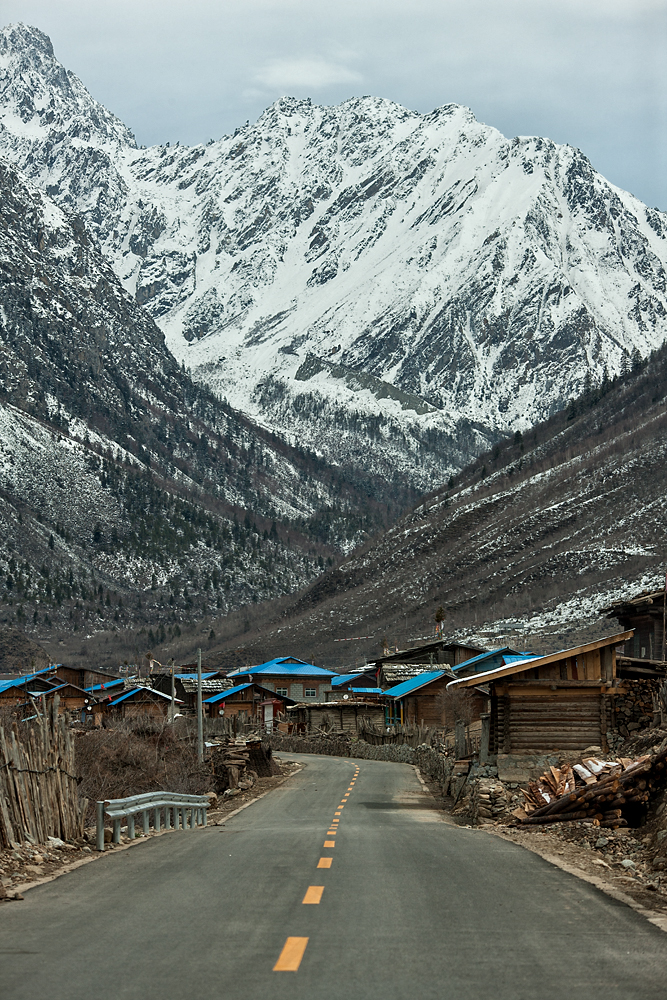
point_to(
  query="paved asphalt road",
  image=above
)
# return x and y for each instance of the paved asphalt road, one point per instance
(410, 906)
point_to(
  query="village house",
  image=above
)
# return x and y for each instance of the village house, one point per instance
(141, 701)
(335, 716)
(259, 704)
(568, 700)
(393, 668)
(289, 676)
(347, 687)
(418, 700)
(185, 683)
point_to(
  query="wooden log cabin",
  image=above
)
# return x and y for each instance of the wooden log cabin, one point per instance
(642, 655)
(336, 716)
(418, 700)
(393, 668)
(259, 703)
(562, 701)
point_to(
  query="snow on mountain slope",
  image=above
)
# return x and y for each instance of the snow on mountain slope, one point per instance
(390, 289)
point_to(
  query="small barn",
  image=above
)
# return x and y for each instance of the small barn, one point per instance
(335, 716)
(561, 701)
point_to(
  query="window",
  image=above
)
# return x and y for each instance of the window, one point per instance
(281, 691)
(310, 693)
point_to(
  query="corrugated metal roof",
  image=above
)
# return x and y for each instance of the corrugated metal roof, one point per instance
(105, 685)
(346, 678)
(225, 694)
(146, 690)
(192, 675)
(507, 654)
(24, 679)
(287, 666)
(414, 683)
(368, 690)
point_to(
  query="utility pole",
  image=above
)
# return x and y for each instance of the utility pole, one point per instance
(173, 691)
(664, 616)
(200, 720)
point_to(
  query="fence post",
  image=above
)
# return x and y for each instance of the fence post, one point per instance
(158, 818)
(146, 822)
(460, 740)
(100, 826)
(486, 736)
(116, 830)
(130, 826)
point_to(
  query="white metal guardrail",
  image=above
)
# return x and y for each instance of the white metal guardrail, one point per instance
(181, 811)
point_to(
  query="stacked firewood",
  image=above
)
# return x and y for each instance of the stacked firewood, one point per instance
(596, 791)
(229, 762)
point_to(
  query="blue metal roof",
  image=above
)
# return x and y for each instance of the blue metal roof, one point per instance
(146, 690)
(405, 687)
(221, 695)
(24, 679)
(347, 678)
(368, 690)
(192, 675)
(107, 684)
(287, 666)
(503, 655)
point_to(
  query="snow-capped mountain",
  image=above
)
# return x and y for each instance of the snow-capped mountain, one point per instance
(130, 493)
(390, 289)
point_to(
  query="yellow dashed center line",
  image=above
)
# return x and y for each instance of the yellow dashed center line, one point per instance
(324, 863)
(329, 843)
(291, 955)
(336, 814)
(314, 894)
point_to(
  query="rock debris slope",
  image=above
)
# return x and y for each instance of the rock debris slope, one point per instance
(362, 274)
(530, 544)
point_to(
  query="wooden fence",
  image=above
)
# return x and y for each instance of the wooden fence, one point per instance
(38, 787)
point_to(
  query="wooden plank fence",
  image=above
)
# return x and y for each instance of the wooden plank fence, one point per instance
(38, 786)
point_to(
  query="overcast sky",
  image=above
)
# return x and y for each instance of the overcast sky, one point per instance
(592, 73)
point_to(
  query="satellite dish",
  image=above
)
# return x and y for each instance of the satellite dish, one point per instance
(345, 697)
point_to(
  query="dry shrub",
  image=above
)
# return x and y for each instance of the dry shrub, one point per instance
(138, 755)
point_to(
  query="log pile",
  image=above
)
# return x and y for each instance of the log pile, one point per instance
(603, 793)
(39, 796)
(238, 763)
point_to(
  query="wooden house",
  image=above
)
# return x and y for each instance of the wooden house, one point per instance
(418, 700)
(642, 655)
(335, 716)
(562, 701)
(141, 701)
(393, 668)
(259, 703)
(22, 688)
(290, 677)
(185, 683)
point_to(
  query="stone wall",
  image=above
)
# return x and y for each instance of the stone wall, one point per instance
(432, 763)
(632, 707)
(489, 801)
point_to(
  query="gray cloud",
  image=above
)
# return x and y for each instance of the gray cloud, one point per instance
(589, 72)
